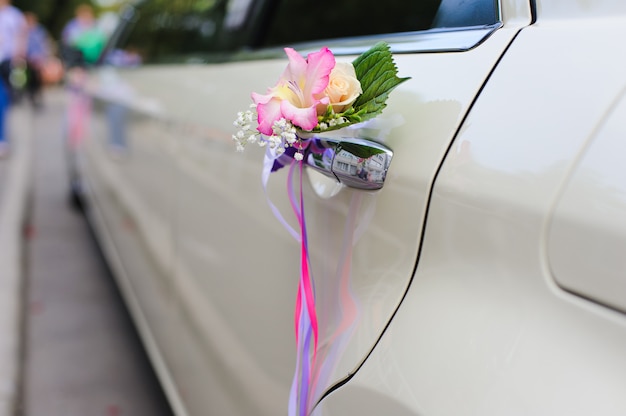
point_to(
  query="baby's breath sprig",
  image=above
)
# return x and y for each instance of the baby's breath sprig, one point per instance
(284, 134)
(247, 132)
(332, 122)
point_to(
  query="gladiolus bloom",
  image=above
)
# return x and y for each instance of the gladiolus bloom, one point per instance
(296, 95)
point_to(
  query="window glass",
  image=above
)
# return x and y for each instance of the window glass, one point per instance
(169, 31)
(236, 13)
(173, 31)
(295, 21)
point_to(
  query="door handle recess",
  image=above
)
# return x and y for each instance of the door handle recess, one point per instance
(356, 163)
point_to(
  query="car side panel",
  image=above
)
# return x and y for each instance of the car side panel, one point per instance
(484, 329)
(236, 265)
(211, 271)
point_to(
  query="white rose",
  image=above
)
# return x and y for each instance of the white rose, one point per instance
(343, 87)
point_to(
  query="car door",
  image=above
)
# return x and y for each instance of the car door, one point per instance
(210, 270)
(237, 266)
(517, 304)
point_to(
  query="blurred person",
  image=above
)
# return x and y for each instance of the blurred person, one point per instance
(82, 39)
(84, 19)
(52, 71)
(37, 55)
(12, 51)
(82, 42)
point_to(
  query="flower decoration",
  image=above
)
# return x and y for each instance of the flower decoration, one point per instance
(313, 95)
(317, 94)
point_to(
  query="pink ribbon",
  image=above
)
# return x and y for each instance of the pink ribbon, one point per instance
(306, 325)
(305, 387)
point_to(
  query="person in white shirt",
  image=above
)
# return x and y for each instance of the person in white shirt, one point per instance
(13, 31)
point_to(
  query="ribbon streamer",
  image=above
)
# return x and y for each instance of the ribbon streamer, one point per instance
(306, 325)
(268, 168)
(305, 388)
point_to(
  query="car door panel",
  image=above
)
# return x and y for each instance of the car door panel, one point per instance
(238, 264)
(484, 329)
(209, 269)
(586, 237)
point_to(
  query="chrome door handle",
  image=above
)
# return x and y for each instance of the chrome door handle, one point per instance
(356, 163)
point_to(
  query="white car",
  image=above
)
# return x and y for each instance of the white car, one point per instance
(481, 272)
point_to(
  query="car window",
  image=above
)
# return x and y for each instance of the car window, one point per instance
(166, 31)
(294, 21)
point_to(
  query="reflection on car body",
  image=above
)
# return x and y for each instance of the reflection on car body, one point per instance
(357, 163)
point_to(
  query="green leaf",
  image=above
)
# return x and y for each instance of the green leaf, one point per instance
(378, 75)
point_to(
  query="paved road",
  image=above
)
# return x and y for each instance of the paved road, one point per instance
(15, 181)
(4, 168)
(82, 354)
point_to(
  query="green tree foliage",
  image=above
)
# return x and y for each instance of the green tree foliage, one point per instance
(171, 29)
(53, 14)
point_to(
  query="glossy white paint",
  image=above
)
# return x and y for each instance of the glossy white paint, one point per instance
(564, 10)
(587, 234)
(211, 271)
(235, 271)
(484, 329)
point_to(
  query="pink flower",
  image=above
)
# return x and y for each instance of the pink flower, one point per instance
(298, 92)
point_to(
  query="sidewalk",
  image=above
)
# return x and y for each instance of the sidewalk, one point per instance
(81, 352)
(15, 188)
